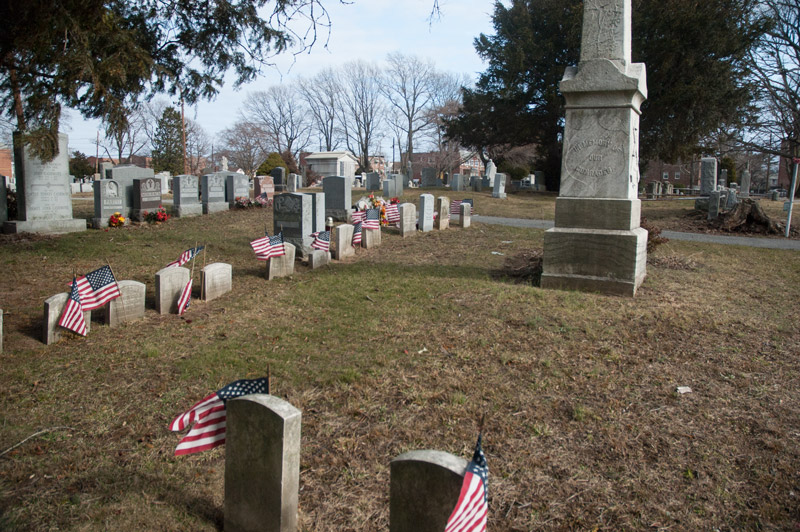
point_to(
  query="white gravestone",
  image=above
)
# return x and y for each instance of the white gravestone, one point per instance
(216, 280)
(169, 284)
(408, 219)
(442, 213)
(343, 241)
(53, 307)
(597, 243)
(262, 464)
(129, 306)
(426, 202)
(282, 266)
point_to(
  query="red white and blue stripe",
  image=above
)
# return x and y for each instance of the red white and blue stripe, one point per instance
(185, 298)
(322, 240)
(357, 234)
(185, 257)
(208, 416)
(472, 508)
(97, 288)
(72, 315)
(373, 219)
(392, 213)
(268, 247)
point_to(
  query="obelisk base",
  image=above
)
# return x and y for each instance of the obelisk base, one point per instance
(593, 250)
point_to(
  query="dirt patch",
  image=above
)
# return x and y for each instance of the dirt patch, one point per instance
(524, 267)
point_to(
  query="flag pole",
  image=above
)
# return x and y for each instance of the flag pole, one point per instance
(115, 279)
(191, 275)
(202, 284)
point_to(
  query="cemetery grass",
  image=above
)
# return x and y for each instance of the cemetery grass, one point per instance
(403, 347)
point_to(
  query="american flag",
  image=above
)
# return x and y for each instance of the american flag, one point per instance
(97, 288)
(392, 214)
(322, 240)
(373, 219)
(208, 416)
(185, 257)
(357, 234)
(268, 247)
(472, 508)
(72, 316)
(186, 297)
(358, 216)
(262, 198)
(455, 204)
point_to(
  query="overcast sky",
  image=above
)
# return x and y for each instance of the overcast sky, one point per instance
(362, 29)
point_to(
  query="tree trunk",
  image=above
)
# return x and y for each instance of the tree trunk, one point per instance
(749, 216)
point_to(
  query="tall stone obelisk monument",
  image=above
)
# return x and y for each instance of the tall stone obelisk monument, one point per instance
(597, 243)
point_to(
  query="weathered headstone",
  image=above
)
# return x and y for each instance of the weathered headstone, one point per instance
(146, 196)
(393, 187)
(428, 177)
(343, 241)
(373, 181)
(295, 182)
(491, 172)
(442, 220)
(426, 206)
(457, 183)
(105, 167)
(129, 306)
(652, 188)
(53, 307)
(499, 188)
(279, 178)
(262, 464)
(465, 214)
(236, 186)
(708, 175)
(186, 196)
(539, 182)
(318, 259)
(108, 199)
(424, 489)
(317, 211)
(44, 200)
(370, 238)
(731, 200)
(169, 284)
(264, 185)
(597, 243)
(476, 183)
(723, 178)
(713, 204)
(408, 219)
(744, 185)
(213, 193)
(282, 266)
(216, 280)
(338, 197)
(292, 214)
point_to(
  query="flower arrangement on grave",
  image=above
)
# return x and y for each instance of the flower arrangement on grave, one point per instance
(116, 220)
(157, 216)
(243, 202)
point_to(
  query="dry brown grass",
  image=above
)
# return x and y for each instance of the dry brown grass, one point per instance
(401, 348)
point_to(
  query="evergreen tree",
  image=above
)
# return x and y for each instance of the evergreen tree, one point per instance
(79, 165)
(273, 160)
(693, 52)
(168, 143)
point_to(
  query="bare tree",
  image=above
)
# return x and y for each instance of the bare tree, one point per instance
(244, 146)
(282, 116)
(407, 87)
(360, 107)
(775, 66)
(125, 138)
(445, 104)
(197, 146)
(320, 93)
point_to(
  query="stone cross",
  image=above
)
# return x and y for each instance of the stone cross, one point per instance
(606, 30)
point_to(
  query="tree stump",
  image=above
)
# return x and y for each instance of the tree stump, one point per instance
(749, 216)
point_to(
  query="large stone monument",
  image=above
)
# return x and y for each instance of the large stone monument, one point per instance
(708, 175)
(213, 193)
(109, 198)
(186, 195)
(44, 199)
(597, 243)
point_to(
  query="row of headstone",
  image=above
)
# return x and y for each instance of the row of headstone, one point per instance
(721, 200)
(216, 279)
(262, 494)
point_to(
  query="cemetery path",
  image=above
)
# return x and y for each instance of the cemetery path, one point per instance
(771, 243)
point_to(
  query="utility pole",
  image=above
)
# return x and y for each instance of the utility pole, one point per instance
(97, 153)
(183, 130)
